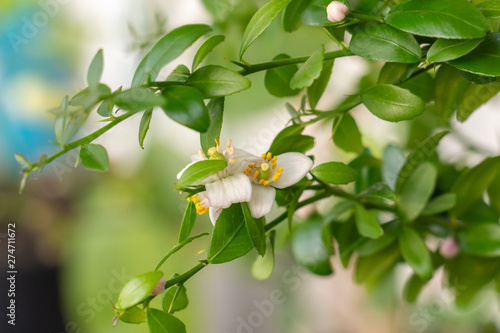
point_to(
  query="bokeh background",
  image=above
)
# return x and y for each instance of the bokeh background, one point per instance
(81, 235)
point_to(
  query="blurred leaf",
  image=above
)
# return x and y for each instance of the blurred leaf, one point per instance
(95, 70)
(87, 98)
(481, 239)
(421, 85)
(138, 99)
(138, 289)
(378, 191)
(188, 221)
(309, 71)
(490, 9)
(474, 96)
(450, 86)
(415, 253)
(217, 81)
(334, 173)
(366, 223)
(201, 170)
(185, 105)
(277, 80)
(347, 136)
(94, 157)
(372, 246)
(347, 237)
(220, 9)
(316, 90)
(61, 123)
(373, 266)
(315, 13)
(230, 239)
(394, 159)
(442, 19)
(392, 103)
(416, 191)
(292, 14)
(394, 73)
(162, 322)
(206, 48)
(215, 111)
(133, 315)
(440, 204)
(255, 228)
(179, 74)
(383, 42)
(478, 79)
(171, 305)
(261, 21)
(412, 288)
(263, 267)
(144, 126)
(494, 192)
(449, 49)
(167, 49)
(105, 109)
(483, 59)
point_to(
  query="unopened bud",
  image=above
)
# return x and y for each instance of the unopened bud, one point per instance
(336, 11)
(159, 288)
(449, 248)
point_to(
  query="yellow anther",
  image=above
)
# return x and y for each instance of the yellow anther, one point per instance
(269, 156)
(273, 160)
(261, 181)
(247, 172)
(274, 164)
(256, 174)
(211, 151)
(280, 170)
(232, 160)
(193, 198)
(263, 156)
(266, 182)
(250, 165)
(264, 166)
(228, 146)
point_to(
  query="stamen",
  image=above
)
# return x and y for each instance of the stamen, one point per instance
(202, 154)
(232, 160)
(261, 181)
(264, 166)
(247, 172)
(263, 156)
(280, 170)
(266, 182)
(211, 151)
(269, 156)
(273, 160)
(256, 174)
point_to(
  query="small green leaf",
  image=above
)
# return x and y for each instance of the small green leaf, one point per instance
(138, 289)
(230, 239)
(277, 80)
(383, 42)
(263, 267)
(201, 170)
(392, 103)
(421, 85)
(316, 90)
(412, 288)
(185, 105)
(206, 48)
(293, 143)
(94, 157)
(89, 97)
(179, 74)
(144, 126)
(22, 160)
(138, 99)
(449, 49)
(366, 223)
(372, 246)
(309, 71)
(260, 21)
(483, 60)
(415, 253)
(371, 267)
(215, 111)
(394, 159)
(162, 322)
(474, 96)
(171, 305)
(334, 173)
(255, 228)
(440, 204)
(105, 109)
(95, 70)
(481, 239)
(378, 191)
(449, 88)
(490, 9)
(133, 315)
(292, 14)
(394, 73)
(441, 19)
(217, 81)
(347, 136)
(315, 13)
(188, 221)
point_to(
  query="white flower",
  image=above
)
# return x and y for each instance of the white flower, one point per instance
(268, 173)
(336, 11)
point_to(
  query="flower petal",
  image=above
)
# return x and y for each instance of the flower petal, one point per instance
(262, 200)
(223, 193)
(241, 161)
(214, 213)
(295, 167)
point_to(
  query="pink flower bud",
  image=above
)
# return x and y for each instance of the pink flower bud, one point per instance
(159, 288)
(449, 248)
(336, 11)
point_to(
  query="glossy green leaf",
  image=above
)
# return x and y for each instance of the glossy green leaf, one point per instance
(315, 13)
(94, 157)
(138, 289)
(371, 267)
(95, 70)
(308, 248)
(167, 49)
(179, 74)
(378, 191)
(421, 85)
(416, 191)
(449, 49)
(217, 81)
(260, 21)
(185, 105)
(163, 322)
(484, 59)
(255, 228)
(206, 48)
(175, 298)
(415, 253)
(144, 126)
(138, 99)
(449, 88)
(277, 80)
(394, 73)
(392, 103)
(393, 158)
(347, 136)
(440, 204)
(316, 90)
(412, 288)
(263, 267)
(215, 111)
(474, 96)
(490, 9)
(478, 79)
(334, 173)
(292, 14)
(201, 170)
(293, 143)
(383, 42)
(133, 315)
(89, 97)
(442, 19)
(481, 239)
(188, 221)
(230, 239)
(366, 223)
(309, 71)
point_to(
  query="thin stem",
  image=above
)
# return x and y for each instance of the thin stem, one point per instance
(177, 248)
(365, 17)
(186, 276)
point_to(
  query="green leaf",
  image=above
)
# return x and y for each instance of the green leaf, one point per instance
(449, 49)
(415, 253)
(442, 19)
(230, 239)
(392, 103)
(483, 59)
(255, 228)
(494, 192)
(133, 315)
(138, 99)
(167, 49)
(263, 267)
(334, 173)
(89, 97)
(347, 136)
(394, 159)
(372, 267)
(292, 14)
(481, 239)
(162, 322)
(346, 235)
(474, 96)
(144, 126)
(185, 105)
(394, 73)
(293, 143)
(260, 21)
(309, 71)
(206, 48)
(188, 221)
(201, 170)
(421, 85)
(440, 204)
(217, 81)
(378, 191)
(416, 191)
(383, 42)
(478, 79)
(412, 288)
(179, 74)
(490, 9)
(366, 223)
(315, 13)
(61, 123)
(95, 70)
(94, 157)
(215, 111)
(138, 289)
(372, 246)
(316, 90)
(105, 109)
(308, 248)
(450, 86)
(171, 305)
(423, 151)
(277, 80)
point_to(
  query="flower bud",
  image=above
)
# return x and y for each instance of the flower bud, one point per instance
(159, 288)
(449, 248)
(336, 11)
